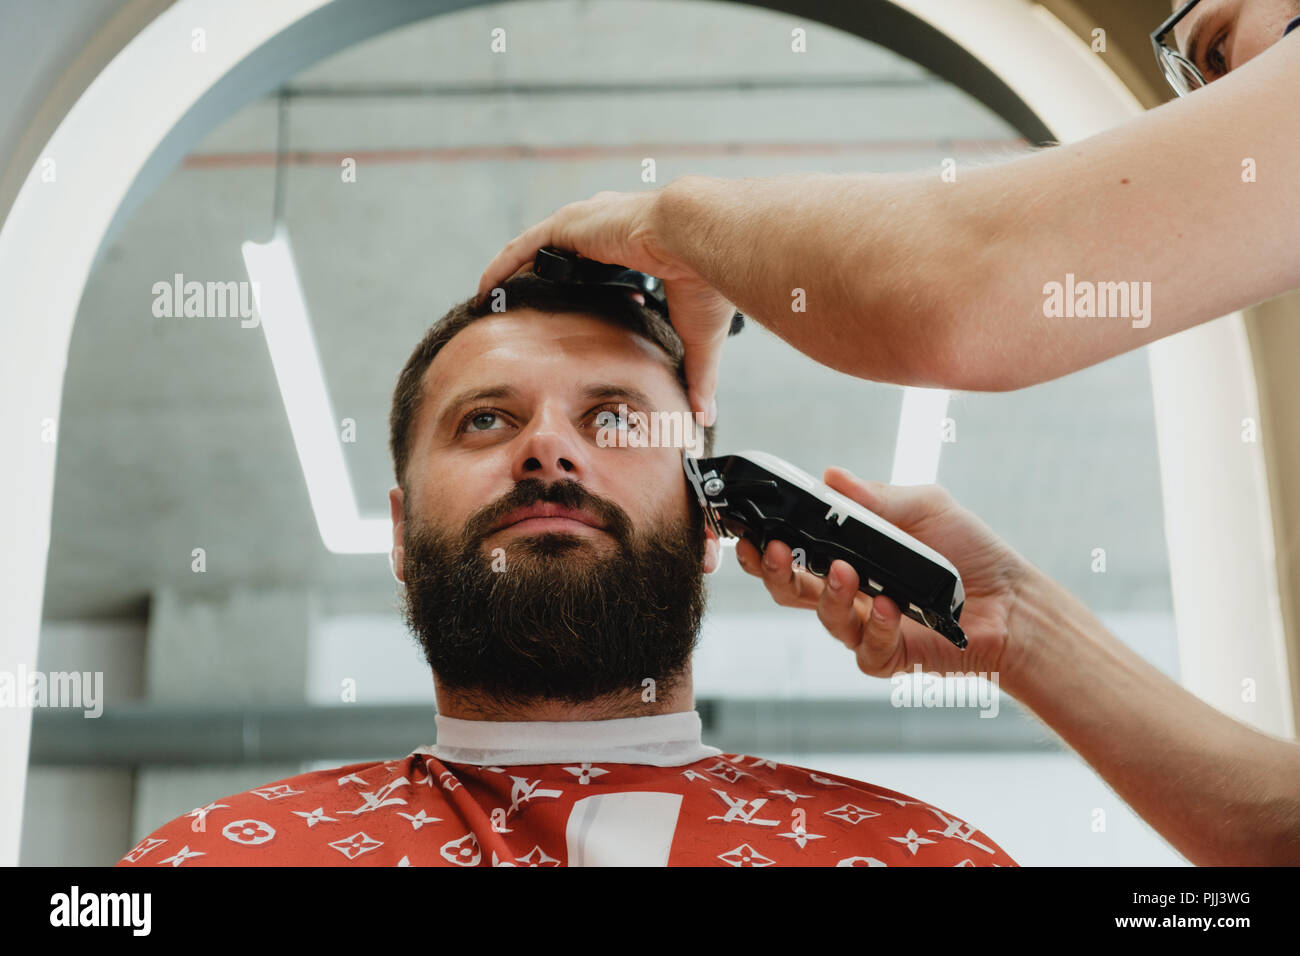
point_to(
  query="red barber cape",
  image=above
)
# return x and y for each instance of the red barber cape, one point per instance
(421, 811)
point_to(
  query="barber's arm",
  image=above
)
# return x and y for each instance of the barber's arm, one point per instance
(914, 280)
(1220, 792)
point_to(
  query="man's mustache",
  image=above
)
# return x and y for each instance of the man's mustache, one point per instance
(566, 494)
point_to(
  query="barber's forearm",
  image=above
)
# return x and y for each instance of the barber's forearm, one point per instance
(1220, 792)
(916, 280)
(913, 280)
(861, 272)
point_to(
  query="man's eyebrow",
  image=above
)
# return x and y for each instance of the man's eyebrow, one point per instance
(471, 395)
(637, 396)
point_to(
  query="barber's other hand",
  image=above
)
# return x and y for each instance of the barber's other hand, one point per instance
(624, 228)
(885, 641)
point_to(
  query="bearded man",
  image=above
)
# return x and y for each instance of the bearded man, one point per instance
(552, 562)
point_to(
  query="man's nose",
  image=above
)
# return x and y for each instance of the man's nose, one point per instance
(550, 450)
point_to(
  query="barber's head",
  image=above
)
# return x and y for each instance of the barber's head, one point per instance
(547, 551)
(1220, 35)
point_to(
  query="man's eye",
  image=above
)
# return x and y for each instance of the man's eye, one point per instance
(1216, 63)
(621, 418)
(479, 418)
(610, 419)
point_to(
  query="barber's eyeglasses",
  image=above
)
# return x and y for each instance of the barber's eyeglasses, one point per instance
(1181, 72)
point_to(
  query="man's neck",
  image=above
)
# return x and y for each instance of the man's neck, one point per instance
(647, 701)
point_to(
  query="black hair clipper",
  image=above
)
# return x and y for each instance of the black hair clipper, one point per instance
(560, 265)
(761, 498)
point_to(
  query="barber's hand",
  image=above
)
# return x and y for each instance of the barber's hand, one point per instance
(885, 641)
(623, 228)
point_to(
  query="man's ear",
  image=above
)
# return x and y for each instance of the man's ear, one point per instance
(397, 557)
(712, 550)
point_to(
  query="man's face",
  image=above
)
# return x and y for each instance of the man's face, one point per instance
(537, 563)
(1220, 35)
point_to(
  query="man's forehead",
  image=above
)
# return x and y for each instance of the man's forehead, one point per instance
(563, 349)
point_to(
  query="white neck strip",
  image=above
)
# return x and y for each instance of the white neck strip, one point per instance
(662, 740)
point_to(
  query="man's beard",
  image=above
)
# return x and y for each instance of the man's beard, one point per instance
(570, 617)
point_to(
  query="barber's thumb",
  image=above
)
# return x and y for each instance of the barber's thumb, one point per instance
(902, 505)
(875, 496)
(701, 366)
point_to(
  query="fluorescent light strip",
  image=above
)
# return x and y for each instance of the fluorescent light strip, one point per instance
(920, 425)
(283, 310)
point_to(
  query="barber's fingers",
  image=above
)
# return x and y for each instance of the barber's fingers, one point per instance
(572, 227)
(872, 628)
(609, 227)
(517, 255)
(776, 568)
(748, 557)
(881, 649)
(841, 608)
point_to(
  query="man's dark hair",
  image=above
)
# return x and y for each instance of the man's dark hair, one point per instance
(525, 291)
